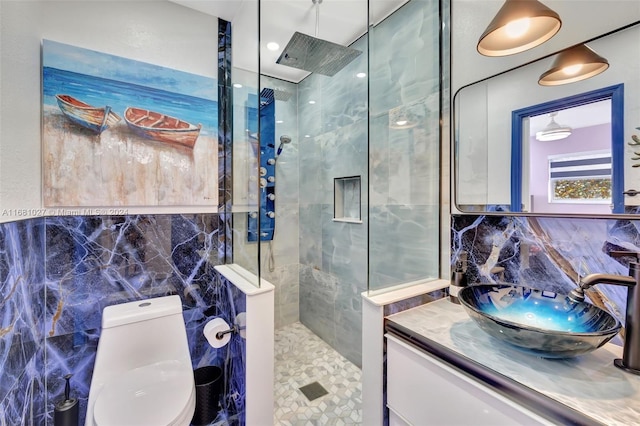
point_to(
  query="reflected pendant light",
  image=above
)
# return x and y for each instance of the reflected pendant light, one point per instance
(574, 64)
(518, 26)
(407, 116)
(553, 131)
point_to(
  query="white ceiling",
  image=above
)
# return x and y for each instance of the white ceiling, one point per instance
(341, 21)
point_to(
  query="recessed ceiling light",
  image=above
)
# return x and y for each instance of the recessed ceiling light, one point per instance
(361, 75)
(272, 45)
(312, 102)
(279, 121)
(237, 85)
(307, 136)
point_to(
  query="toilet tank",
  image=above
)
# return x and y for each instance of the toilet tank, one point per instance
(144, 332)
(141, 310)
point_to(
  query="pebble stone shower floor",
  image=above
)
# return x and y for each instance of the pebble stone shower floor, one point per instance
(302, 358)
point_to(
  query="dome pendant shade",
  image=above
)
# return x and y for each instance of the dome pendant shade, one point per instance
(574, 64)
(553, 131)
(519, 25)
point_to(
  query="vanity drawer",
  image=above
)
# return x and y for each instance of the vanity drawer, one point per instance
(422, 390)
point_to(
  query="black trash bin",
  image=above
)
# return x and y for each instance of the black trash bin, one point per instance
(208, 389)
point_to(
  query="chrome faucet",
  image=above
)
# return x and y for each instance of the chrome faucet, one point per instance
(630, 361)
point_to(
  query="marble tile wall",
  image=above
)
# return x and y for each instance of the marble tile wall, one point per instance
(547, 253)
(342, 135)
(333, 255)
(21, 322)
(404, 162)
(60, 272)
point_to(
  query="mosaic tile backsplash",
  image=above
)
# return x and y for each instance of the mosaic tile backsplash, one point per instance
(547, 253)
(58, 273)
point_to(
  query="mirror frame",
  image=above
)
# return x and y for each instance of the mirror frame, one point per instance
(614, 93)
(455, 209)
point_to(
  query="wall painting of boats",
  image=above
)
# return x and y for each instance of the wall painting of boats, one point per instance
(120, 132)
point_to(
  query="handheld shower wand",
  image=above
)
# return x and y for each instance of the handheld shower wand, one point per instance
(284, 139)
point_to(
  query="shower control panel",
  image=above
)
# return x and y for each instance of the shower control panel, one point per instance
(264, 221)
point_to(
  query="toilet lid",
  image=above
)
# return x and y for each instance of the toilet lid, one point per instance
(154, 395)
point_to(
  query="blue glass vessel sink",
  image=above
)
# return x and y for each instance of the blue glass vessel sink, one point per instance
(543, 323)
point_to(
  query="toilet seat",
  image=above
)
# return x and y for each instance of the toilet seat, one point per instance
(154, 395)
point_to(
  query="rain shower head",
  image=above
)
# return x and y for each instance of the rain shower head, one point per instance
(316, 55)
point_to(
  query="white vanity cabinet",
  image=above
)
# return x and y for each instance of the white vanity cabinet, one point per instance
(422, 391)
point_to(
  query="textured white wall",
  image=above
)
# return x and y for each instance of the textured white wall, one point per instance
(157, 32)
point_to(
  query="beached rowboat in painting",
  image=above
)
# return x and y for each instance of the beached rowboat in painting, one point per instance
(93, 118)
(160, 127)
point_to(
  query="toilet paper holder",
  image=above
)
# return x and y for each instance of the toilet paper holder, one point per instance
(220, 334)
(239, 327)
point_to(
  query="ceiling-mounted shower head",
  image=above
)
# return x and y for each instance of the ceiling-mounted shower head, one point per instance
(314, 54)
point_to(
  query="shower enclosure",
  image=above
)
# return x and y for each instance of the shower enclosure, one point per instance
(375, 119)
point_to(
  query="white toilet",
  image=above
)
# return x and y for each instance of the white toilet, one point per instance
(143, 373)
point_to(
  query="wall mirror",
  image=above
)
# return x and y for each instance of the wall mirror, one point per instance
(594, 169)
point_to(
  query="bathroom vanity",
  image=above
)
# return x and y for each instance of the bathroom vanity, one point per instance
(443, 369)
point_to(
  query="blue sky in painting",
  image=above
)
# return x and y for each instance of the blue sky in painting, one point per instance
(84, 61)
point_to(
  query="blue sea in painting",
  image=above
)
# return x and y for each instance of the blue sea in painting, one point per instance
(119, 95)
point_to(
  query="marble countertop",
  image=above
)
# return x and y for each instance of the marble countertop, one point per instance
(588, 385)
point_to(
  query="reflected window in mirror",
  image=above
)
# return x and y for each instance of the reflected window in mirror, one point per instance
(587, 153)
(580, 178)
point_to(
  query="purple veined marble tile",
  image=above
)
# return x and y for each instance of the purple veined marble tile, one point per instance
(24, 403)
(21, 309)
(94, 262)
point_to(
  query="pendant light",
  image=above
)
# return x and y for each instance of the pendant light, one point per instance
(574, 64)
(519, 25)
(553, 131)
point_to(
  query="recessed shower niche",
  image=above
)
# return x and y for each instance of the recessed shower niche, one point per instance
(347, 200)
